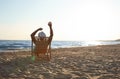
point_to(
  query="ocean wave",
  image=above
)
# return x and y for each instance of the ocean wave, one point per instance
(26, 44)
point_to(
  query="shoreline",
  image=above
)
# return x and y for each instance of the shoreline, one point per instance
(29, 49)
(91, 62)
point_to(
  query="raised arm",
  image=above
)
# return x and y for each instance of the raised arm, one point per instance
(33, 34)
(51, 31)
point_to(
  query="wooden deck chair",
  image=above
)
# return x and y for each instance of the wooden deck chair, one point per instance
(42, 50)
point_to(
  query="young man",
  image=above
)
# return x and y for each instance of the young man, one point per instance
(41, 43)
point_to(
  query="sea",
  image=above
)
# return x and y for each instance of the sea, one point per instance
(20, 45)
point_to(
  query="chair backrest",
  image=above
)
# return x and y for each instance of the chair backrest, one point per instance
(42, 46)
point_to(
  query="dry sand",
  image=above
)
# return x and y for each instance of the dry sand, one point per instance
(96, 62)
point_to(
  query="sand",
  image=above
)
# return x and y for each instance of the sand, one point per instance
(95, 62)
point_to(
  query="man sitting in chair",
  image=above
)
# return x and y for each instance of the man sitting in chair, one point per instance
(41, 42)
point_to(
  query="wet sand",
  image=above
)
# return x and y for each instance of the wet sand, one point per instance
(95, 62)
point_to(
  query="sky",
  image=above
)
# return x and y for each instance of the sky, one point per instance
(71, 19)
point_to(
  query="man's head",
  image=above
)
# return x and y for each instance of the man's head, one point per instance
(41, 35)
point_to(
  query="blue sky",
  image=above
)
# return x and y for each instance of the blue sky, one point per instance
(72, 19)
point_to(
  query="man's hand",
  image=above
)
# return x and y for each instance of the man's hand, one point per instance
(40, 29)
(50, 24)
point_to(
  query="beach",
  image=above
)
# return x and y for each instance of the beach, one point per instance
(92, 62)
